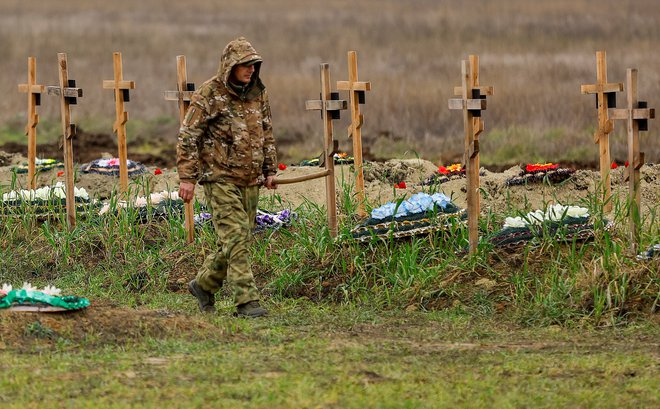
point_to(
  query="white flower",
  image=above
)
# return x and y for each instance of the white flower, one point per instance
(6, 288)
(536, 217)
(81, 193)
(28, 287)
(156, 198)
(576, 211)
(140, 201)
(174, 195)
(59, 190)
(52, 290)
(105, 208)
(43, 193)
(11, 196)
(515, 222)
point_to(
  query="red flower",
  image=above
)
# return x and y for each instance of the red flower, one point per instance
(158, 171)
(627, 164)
(443, 170)
(281, 166)
(614, 165)
(540, 167)
(60, 173)
(400, 185)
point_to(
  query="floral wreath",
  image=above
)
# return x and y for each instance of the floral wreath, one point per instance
(29, 298)
(110, 167)
(539, 172)
(40, 165)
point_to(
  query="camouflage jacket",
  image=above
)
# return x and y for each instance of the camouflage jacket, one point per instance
(227, 133)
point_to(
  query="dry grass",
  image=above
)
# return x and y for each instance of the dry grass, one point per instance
(535, 53)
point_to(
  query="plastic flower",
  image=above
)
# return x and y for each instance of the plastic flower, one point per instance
(28, 287)
(456, 167)
(60, 173)
(515, 222)
(626, 163)
(281, 166)
(614, 165)
(541, 166)
(140, 201)
(52, 290)
(158, 171)
(576, 211)
(400, 185)
(6, 288)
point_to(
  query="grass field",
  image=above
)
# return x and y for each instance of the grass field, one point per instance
(535, 54)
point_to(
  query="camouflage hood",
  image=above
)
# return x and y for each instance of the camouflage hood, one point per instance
(240, 51)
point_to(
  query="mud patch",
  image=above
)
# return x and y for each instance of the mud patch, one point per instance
(102, 323)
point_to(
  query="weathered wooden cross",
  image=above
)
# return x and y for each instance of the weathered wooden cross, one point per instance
(605, 98)
(122, 89)
(637, 115)
(182, 95)
(472, 102)
(69, 94)
(357, 90)
(330, 106)
(34, 92)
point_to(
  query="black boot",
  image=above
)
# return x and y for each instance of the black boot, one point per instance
(250, 309)
(205, 299)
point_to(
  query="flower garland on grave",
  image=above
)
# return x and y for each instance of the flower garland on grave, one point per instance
(47, 298)
(420, 214)
(264, 219)
(340, 158)
(562, 223)
(110, 167)
(43, 200)
(40, 165)
(161, 205)
(539, 172)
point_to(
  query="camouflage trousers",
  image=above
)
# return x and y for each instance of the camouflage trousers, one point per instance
(233, 210)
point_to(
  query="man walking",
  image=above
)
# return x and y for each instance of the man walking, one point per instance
(226, 144)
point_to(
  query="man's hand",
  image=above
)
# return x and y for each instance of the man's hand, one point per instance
(270, 182)
(186, 191)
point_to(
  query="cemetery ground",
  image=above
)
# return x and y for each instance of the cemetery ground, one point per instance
(388, 323)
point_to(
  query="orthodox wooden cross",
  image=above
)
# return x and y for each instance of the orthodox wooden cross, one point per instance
(34, 92)
(121, 88)
(472, 102)
(605, 98)
(330, 106)
(357, 90)
(182, 96)
(637, 115)
(69, 94)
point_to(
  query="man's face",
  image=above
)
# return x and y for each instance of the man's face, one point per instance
(243, 73)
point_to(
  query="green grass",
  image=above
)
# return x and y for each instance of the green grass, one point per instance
(389, 323)
(310, 355)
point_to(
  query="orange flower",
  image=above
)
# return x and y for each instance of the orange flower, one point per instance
(539, 167)
(60, 173)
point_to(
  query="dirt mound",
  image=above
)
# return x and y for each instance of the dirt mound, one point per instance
(102, 323)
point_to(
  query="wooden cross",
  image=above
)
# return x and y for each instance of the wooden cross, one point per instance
(605, 98)
(357, 90)
(472, 102)
(182, 96)
(68, 94)
(121, 88)
(330, 106)
(637, 115)
(34, 92)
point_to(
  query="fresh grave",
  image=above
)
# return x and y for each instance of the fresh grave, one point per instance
(29, 298)
(110, 167)
(40, 165)
(446, 174)
(540, 172)
(559, 222)
(420, 214)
